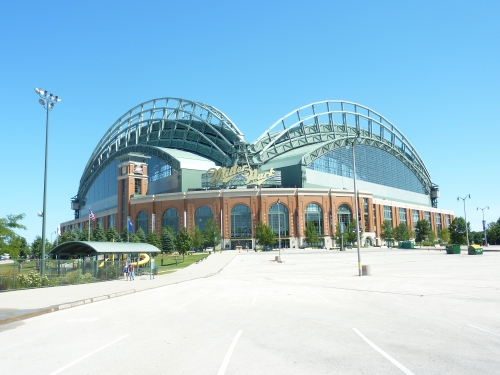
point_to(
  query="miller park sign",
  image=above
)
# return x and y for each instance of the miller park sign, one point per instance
(240, 175)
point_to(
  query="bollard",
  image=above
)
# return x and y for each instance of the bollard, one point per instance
(366, 270)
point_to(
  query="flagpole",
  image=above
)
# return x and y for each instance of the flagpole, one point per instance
(89, 223)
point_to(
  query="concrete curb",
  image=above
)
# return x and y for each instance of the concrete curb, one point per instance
(68, 305)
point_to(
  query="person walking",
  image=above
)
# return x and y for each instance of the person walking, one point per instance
(125, 272)
(131, 272)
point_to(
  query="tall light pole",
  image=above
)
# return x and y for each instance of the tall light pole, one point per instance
(465, 214)
(484, 224)
(353, 142)
(279, 232)
(48, 101)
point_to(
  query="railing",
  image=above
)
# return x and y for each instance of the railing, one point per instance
(24, 274)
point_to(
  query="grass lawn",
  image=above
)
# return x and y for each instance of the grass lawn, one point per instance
(169, 263)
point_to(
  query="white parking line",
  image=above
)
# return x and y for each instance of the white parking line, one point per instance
(188, 302)
(319, 295)
(398, 365)
(88, 355)
(255, 298)
(482, 329)
(229, 353)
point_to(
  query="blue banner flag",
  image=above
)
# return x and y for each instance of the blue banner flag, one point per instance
(130, 226)
(341, 227)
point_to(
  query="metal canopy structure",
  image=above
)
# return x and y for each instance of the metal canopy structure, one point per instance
(157, 126)
(166, 123)
(329, 124)
(88, 248)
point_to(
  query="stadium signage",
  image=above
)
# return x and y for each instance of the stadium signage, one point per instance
(253, 176)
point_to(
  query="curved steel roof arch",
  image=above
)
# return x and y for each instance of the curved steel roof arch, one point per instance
(169, 123)
(329, 122)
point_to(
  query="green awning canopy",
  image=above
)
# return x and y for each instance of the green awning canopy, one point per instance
(88, 248)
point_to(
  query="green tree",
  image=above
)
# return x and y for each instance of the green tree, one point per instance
(183, 242)
(154, 240)
(9, 241)
(402, 233)
(211, 234)
(99, 234)
(387, 232)
(457, 231)
(432, 236)
(197, 236)
(75, 233)
(24, 250)
(141, 235)
(422, 230)
(167, 239)
(445, 235)
(350, 234)
(84, 234)
(36, 246)
(264, 234)
(493, 232)
(310, 233)
(112, 235)
(130, 236)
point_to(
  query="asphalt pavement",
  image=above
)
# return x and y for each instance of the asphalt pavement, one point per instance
(24, 304)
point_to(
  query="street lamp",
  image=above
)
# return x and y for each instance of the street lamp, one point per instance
(279, 232)
(48, 101)
(465, 214)
(484, 223)
(353, 142)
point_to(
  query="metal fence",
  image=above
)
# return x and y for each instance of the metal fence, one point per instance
(23, 274)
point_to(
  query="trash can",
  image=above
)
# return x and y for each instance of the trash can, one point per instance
(475, 250)
(155, 271)
(453, 249)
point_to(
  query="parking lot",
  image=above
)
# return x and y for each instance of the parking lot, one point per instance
(421, 312)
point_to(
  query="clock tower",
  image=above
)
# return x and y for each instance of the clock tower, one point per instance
(132, 181)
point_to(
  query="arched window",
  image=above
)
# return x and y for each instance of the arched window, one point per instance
(344, 214)
(241, 222)
(201, 216)
(142, 222)
(275, 211)
(170, 218)
(314, 213)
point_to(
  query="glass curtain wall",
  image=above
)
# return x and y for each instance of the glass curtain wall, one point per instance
(201, 216)
(344, 214)
(142, 222)
(438, 224)
(272, 217)
(314, 213)
(415, 218)
(170, 218)
(241, 222)
(402, 216)
(388, 214)
(365, 211)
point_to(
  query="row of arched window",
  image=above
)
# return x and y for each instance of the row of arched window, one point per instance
(241, 219)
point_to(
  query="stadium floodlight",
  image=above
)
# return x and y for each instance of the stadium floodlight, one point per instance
(465, 214)
(48, 102)
(484, 223)
(353, 141)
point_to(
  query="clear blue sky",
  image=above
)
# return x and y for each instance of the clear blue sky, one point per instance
(429, 67)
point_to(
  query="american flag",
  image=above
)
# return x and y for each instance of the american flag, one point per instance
(91, 216)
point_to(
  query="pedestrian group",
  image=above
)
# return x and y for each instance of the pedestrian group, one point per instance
(128, 272)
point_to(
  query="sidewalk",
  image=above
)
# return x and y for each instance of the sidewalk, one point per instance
(24, 304)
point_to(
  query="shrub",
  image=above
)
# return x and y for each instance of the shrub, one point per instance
(107, 273)
(32, 280)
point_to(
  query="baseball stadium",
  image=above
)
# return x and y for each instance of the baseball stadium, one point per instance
(178, 163)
